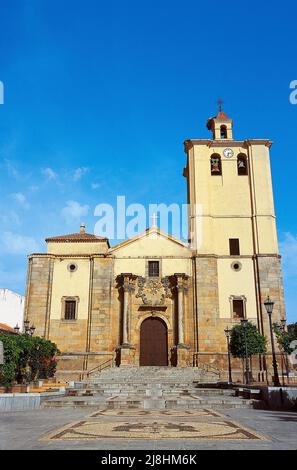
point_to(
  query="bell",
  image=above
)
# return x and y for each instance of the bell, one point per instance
(215, 166)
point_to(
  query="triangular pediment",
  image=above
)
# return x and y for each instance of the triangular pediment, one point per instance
(151, 242)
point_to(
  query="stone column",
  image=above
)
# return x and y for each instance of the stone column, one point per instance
(125, 314)
(128, 288)
(127, 351)
(180, 287)
(180, 309)
(182, 349)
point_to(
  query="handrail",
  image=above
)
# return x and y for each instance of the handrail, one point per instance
(108, 363)
(205, 367)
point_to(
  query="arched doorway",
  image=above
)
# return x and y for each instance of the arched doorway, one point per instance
(153, 342)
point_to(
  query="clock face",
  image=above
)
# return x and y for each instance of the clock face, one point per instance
(228, 153)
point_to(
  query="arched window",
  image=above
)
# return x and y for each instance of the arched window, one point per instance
(242, 166)
(223, 132)
(215, 165)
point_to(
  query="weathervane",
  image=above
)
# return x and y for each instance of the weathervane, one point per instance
(220, 105)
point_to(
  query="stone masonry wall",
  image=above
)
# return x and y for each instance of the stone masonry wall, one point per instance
(39, 293)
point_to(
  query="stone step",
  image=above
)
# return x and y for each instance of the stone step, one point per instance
(150, 403)
(137, 386)
(102, 391)
(153, 372)
(172, 380)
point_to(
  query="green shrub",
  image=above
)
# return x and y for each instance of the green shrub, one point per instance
(27, 358)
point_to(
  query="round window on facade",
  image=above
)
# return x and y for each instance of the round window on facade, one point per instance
(72, 267)
(236, 266)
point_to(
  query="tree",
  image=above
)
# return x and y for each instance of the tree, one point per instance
(27, 358)
(292, 329)
(286, 338)
(255, 342)
(12, 351)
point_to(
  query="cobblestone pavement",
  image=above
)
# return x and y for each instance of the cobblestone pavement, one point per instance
(140, 429)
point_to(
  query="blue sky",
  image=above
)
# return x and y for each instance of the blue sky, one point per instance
(99, 97)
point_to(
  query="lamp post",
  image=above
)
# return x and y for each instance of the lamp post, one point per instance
(244, 323)
(283, 324)
(29, 330)
(228, 333)
(269, 304)
(17, 329)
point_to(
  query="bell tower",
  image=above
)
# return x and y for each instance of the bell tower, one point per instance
(232, 232)
(221, 125)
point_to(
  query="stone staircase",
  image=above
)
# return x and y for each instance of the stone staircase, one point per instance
(149, 388)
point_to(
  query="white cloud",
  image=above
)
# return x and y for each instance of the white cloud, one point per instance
(79, 173)
(50, 174)
(288, 250)
(95, 185)
(11, 169)
(16, 244)
(74, 211)
(21, 199)
(9, 218)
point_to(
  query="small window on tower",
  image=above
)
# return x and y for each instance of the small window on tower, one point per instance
(153, 268)
(238, 309)
(216, 165)
(223, 132)
(242, 167)
(70, 310)
(234, 247)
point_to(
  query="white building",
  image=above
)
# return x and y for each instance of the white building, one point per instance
(11, 308)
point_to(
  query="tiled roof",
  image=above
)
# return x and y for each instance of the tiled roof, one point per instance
(222, 115)
(7, 328)
(76, 237)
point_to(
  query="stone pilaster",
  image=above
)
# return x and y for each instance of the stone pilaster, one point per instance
(271, 284)
(210, 338)
(39, 286)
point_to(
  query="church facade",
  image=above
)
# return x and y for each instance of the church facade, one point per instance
(153, 300)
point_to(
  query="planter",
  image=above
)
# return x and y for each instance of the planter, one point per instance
(19, 388)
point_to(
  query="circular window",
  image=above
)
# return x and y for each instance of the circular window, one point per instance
(236, 266)
(72, 267)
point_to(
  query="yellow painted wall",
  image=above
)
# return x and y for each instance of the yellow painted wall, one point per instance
(74, 284)
(223, 204)
(238, 284)
(74, 248)
(133, 256)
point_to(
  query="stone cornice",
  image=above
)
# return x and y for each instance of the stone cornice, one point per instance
(267, 142)
(213, 256)
(189, 143)
(62, 256)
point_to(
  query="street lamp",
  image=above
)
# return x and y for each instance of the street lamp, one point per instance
(269, 304)
(29, 330)
(228, 334)
(283, 324)
(244, 323)
(32, 330)
(17, 329)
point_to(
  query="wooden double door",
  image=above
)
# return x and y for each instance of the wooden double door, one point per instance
(153, 342)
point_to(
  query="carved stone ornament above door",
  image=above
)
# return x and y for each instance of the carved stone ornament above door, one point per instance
(153, 292)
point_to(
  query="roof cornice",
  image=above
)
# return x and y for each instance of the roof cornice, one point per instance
(189, 143)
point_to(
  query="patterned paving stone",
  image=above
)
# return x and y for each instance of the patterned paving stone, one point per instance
(149, 413)
(201, 425)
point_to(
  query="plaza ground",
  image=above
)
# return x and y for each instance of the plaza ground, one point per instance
(52, 428)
